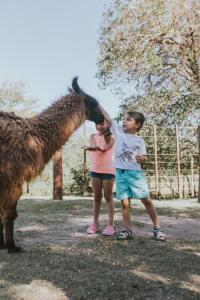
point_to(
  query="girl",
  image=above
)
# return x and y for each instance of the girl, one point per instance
(102, 173)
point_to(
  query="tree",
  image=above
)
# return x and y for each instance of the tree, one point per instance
(13, 99)
(150, 54)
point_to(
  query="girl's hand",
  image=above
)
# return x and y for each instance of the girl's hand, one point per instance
(140, 158)
(89, 148)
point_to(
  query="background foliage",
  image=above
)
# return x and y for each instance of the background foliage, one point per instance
(13, 98)
(150, 56)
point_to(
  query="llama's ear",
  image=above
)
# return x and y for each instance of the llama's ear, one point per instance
(70, 90)
(79, 91)
(75, 85)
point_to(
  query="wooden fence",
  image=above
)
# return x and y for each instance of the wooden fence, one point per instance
(172, 167)
(174, 173)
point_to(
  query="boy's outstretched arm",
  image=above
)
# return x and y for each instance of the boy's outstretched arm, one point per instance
(106, 115)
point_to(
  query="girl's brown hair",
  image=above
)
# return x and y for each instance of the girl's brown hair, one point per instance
(107, 134)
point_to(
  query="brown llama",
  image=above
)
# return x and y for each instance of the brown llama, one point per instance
(28, 144)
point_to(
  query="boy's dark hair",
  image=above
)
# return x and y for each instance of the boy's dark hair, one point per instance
(137, 116)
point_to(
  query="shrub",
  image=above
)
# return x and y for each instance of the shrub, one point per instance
(77, 187)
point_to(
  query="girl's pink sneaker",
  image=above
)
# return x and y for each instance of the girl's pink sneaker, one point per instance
(93, 228)
(109, 230)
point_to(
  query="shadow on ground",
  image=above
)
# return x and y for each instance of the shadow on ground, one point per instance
(63, 262)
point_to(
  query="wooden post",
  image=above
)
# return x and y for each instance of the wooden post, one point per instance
(178, 162)
(156, 162)
(27, 188)
(198, 139)
(192, 176)
(183, 187)
(84, 162)
(57, 176)
(85, 173)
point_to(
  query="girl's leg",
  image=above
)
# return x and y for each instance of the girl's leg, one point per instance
(97, 190)
(126, 213)
(151, 211)
(108, 194)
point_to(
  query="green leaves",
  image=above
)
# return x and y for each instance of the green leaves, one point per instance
(13, 98)
(156, 45)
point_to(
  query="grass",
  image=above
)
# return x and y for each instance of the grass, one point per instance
(63, 262)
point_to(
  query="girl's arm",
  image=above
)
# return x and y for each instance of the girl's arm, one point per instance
(92, 146)
(107, 145)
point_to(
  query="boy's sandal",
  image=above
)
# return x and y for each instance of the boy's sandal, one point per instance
(125, 235)
(159, 235)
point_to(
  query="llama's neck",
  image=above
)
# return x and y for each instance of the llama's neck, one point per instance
(57, 123)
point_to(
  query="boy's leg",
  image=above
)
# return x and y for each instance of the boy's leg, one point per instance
(151, 211)
(97, 190)
(158, 233)
(127, 233)
(124, 194)
(126, 213)
(108, 194)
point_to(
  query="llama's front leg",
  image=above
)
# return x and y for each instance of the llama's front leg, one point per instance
(9, 214)
(9, 237)
(2, 244)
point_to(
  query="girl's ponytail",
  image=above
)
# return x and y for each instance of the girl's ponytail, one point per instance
(107, 135)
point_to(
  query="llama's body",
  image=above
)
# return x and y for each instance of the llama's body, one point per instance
(27, 145)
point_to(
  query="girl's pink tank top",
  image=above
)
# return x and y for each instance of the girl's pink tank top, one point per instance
(102, 162)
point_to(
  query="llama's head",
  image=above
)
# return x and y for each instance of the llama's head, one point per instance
(92, 110)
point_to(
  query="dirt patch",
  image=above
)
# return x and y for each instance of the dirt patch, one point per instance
(63, 262)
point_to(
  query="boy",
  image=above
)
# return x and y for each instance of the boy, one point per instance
(130, 152)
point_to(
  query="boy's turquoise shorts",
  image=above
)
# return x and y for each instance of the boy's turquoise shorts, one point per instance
(131, 184)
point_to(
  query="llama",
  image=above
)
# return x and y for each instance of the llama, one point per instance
(28, 144)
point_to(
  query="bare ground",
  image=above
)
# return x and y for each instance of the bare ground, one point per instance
(63, 262)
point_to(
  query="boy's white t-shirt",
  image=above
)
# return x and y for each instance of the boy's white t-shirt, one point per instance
(127, 147)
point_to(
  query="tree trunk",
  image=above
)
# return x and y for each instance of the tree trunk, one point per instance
(198, 133)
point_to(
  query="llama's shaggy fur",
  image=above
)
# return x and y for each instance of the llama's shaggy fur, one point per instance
(26, 146)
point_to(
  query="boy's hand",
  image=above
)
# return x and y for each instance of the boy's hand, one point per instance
(106, 115)
(140, 158)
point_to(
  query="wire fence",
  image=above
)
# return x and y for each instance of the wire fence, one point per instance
(172, 167)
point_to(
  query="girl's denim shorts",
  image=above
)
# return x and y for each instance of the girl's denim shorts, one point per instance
(103, 176)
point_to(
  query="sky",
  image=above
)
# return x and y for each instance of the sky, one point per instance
(44, 43)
